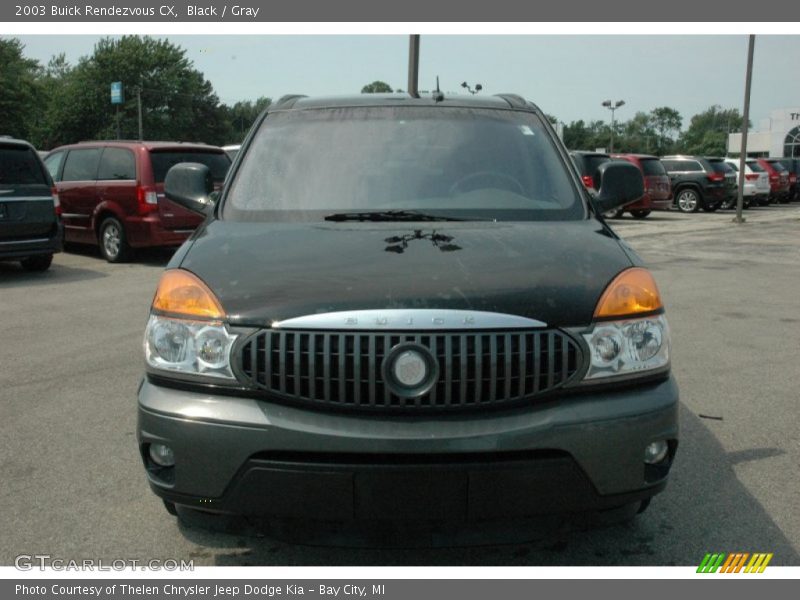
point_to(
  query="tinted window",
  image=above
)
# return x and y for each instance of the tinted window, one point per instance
(458, 162)
(593, 161)
(670, 165)
(755, 167)
(652, 166)
(81, 165)
(53, 164)
(689, 165)
(778, 166)
(19, 165)
(117, 163)
(720, 166)
(733, 166)
(163, 161)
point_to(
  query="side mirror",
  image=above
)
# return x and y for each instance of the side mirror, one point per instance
(190, 185)
(618, 184)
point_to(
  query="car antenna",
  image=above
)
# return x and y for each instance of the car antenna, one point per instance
(438, 96)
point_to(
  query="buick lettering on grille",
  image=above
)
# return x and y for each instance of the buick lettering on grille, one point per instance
(408, 359)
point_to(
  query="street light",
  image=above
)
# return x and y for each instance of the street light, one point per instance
(612, 106)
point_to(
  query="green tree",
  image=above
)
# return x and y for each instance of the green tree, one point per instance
(377, 87)
(666, 121)
(242, 115)
(178, 103)
(635, 135)
(53, 83)
(20, 99)
(707, 134)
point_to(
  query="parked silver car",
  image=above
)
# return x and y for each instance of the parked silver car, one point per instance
(756, 182)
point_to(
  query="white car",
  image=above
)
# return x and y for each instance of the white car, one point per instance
(756, 181)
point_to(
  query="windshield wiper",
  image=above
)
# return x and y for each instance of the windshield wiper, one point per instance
(391, 215)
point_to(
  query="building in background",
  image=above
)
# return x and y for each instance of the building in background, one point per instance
(779, 135)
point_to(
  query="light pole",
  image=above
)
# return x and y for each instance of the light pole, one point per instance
(612, 106)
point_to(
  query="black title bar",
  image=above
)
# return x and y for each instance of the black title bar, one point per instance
(265, 11)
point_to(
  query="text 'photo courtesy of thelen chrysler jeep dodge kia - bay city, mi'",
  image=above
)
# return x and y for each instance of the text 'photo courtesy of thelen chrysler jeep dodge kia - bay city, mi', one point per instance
(405, 308)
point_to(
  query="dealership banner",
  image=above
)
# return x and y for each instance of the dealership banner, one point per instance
(173, 11)
(374, 589)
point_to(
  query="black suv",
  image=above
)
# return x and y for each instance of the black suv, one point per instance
(405, 308)
(700, 182)
(30, 227)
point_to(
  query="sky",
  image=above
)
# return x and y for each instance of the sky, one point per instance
(568, 76)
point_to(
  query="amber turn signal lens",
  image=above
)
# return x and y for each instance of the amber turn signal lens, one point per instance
(632, 292)
(182, 293)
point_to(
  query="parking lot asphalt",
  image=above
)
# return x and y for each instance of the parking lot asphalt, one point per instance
(73, 486)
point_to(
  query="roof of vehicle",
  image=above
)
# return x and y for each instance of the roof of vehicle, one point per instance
(588, 153)
(682, 156)
(7, 139)
(634, 155)
(500, 101)
(149, 145)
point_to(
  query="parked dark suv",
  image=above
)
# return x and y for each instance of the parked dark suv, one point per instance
(793, 166)
(30, 228)
(699, 182)
(112, 193)
(406, 308)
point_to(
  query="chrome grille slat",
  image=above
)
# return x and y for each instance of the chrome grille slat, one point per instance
(345, 368)
(282, 361)
(312, 366)
(326, 353)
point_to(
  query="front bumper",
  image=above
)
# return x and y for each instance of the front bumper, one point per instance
(246, 456)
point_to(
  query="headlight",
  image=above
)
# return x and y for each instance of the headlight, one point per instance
(186, 346)
(628, 346)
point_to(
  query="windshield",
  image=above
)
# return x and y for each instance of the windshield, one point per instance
(442, 161)
(755, 167)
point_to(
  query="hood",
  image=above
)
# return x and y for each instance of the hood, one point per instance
(553, 272)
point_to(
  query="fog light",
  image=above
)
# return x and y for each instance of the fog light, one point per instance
(162, 455)
(656, 452)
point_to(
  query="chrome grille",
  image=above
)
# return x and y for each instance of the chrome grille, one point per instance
(344, 368)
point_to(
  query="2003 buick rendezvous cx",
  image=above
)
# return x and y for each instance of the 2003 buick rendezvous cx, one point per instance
(406, 308)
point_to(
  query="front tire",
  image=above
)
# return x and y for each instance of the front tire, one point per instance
(688, 200)
(642, 213)
(37, 263)
(113, 241)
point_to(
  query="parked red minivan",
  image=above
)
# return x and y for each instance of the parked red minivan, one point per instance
(112, 193)
(657, 188)
(779, 185)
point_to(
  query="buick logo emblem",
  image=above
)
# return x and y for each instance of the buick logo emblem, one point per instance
(410, 370)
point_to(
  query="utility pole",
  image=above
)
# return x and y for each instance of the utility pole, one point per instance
(413, 66)
(745, 120)
(139, 103)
